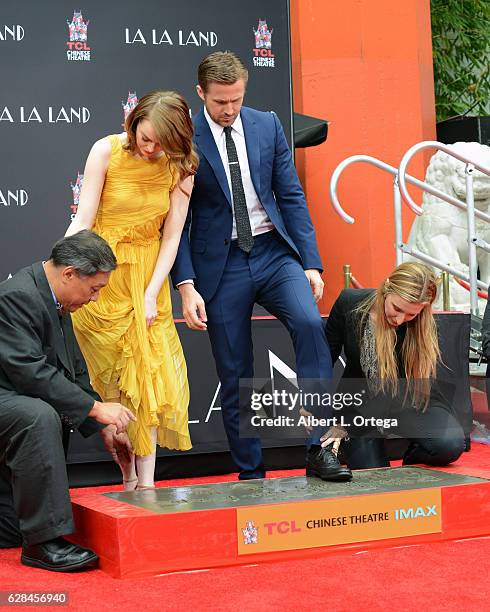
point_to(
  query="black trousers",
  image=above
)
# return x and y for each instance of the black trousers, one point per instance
(436, 438)
(34, 498)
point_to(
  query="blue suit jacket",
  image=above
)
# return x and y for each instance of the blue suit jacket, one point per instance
(205, 241)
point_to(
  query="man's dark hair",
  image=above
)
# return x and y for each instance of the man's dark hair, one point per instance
(86, 251)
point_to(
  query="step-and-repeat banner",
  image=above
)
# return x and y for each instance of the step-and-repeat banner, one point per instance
(69, 73)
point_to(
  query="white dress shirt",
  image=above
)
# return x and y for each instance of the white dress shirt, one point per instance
(259, 220)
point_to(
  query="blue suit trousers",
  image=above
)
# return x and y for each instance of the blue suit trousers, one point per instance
(272, 276)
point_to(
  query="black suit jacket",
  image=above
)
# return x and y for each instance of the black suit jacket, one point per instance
(39, 355)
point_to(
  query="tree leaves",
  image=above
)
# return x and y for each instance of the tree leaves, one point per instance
(461, 53)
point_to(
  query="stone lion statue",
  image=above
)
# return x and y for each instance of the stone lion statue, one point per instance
(441, 231)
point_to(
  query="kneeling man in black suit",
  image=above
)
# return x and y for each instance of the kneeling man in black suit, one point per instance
(45, 392)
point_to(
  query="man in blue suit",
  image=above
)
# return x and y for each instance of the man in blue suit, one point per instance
(249, 238)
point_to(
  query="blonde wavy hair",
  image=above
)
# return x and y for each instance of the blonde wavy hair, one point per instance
(169, 115)
(416, 283)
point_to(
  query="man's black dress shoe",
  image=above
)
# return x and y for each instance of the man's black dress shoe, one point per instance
(57, 555)
(323, 463)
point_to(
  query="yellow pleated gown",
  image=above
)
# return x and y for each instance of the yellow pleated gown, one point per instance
(143, 368)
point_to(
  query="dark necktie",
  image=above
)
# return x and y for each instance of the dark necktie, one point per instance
(242, 220)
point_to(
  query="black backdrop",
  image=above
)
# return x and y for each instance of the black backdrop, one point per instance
(66, 74)
(58, 96)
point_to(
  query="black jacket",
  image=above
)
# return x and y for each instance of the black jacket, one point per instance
(39, 355)
(343, 333)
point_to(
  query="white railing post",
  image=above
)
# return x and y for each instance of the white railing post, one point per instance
(472, 260)
(397, 203)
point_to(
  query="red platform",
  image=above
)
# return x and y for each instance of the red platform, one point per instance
(135, 541)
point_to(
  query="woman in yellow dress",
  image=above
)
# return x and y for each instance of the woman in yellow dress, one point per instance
(135, 194)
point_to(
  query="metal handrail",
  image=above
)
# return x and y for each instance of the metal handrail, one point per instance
(433, 144)
(469, 206)
(374, 161)
(401, 178)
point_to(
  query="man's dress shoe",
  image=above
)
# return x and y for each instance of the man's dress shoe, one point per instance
(57, 555)
(323, 463)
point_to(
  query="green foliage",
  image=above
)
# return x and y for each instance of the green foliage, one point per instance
(461, 50)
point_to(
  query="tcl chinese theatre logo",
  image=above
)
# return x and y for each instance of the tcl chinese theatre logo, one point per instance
(262, 54)
(76, 189)
(78, 49)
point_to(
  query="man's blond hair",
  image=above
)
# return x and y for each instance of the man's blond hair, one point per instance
(222, 67)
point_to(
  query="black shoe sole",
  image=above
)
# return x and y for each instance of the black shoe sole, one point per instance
(343, 476)
(59, 568)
